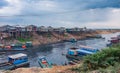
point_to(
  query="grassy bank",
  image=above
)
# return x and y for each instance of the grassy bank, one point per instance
(106, 61)
(23, 40)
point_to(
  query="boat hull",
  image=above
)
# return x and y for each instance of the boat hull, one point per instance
(12, 66)
(74, 57)
(17, 49)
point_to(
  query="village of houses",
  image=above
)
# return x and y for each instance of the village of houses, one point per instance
(14, 32)
(41, 35)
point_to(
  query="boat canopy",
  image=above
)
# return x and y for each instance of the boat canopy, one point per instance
(82, 46)
(17, 56)
(84, 51)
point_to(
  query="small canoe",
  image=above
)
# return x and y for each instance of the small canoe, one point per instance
(43, 62)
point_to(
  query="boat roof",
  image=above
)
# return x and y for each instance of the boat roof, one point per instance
(17, 55)
(82, 46)
(88, 52)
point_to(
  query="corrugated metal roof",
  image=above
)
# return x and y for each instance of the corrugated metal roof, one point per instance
(84, 51)
(17, 55)
(87, 47)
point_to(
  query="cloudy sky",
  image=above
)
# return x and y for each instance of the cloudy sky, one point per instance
(61, 13)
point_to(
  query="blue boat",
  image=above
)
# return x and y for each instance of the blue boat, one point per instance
(87, 48)
(79, 52)
(84, 52)
(15, 61)
(43, 62)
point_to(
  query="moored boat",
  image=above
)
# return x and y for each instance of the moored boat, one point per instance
(43, 62)
(15, 61)
(79, 51)
(12, 49)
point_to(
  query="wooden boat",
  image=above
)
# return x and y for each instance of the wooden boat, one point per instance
(44, 63)
(15, 61)
(12, 49)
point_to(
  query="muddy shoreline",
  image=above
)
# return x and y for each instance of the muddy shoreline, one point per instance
(77, 37)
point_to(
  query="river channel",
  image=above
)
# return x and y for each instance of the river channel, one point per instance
(53, 52)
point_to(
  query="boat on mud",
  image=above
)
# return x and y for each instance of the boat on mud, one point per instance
(43, 62)
(15, 61)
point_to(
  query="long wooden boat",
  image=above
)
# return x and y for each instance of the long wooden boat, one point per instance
(12, 49)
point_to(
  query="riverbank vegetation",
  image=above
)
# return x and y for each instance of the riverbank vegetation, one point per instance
(23, 40)
(105, 61)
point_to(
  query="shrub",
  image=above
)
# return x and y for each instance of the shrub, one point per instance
(109, 57)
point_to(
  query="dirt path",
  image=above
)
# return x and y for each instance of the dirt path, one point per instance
(55, 69)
